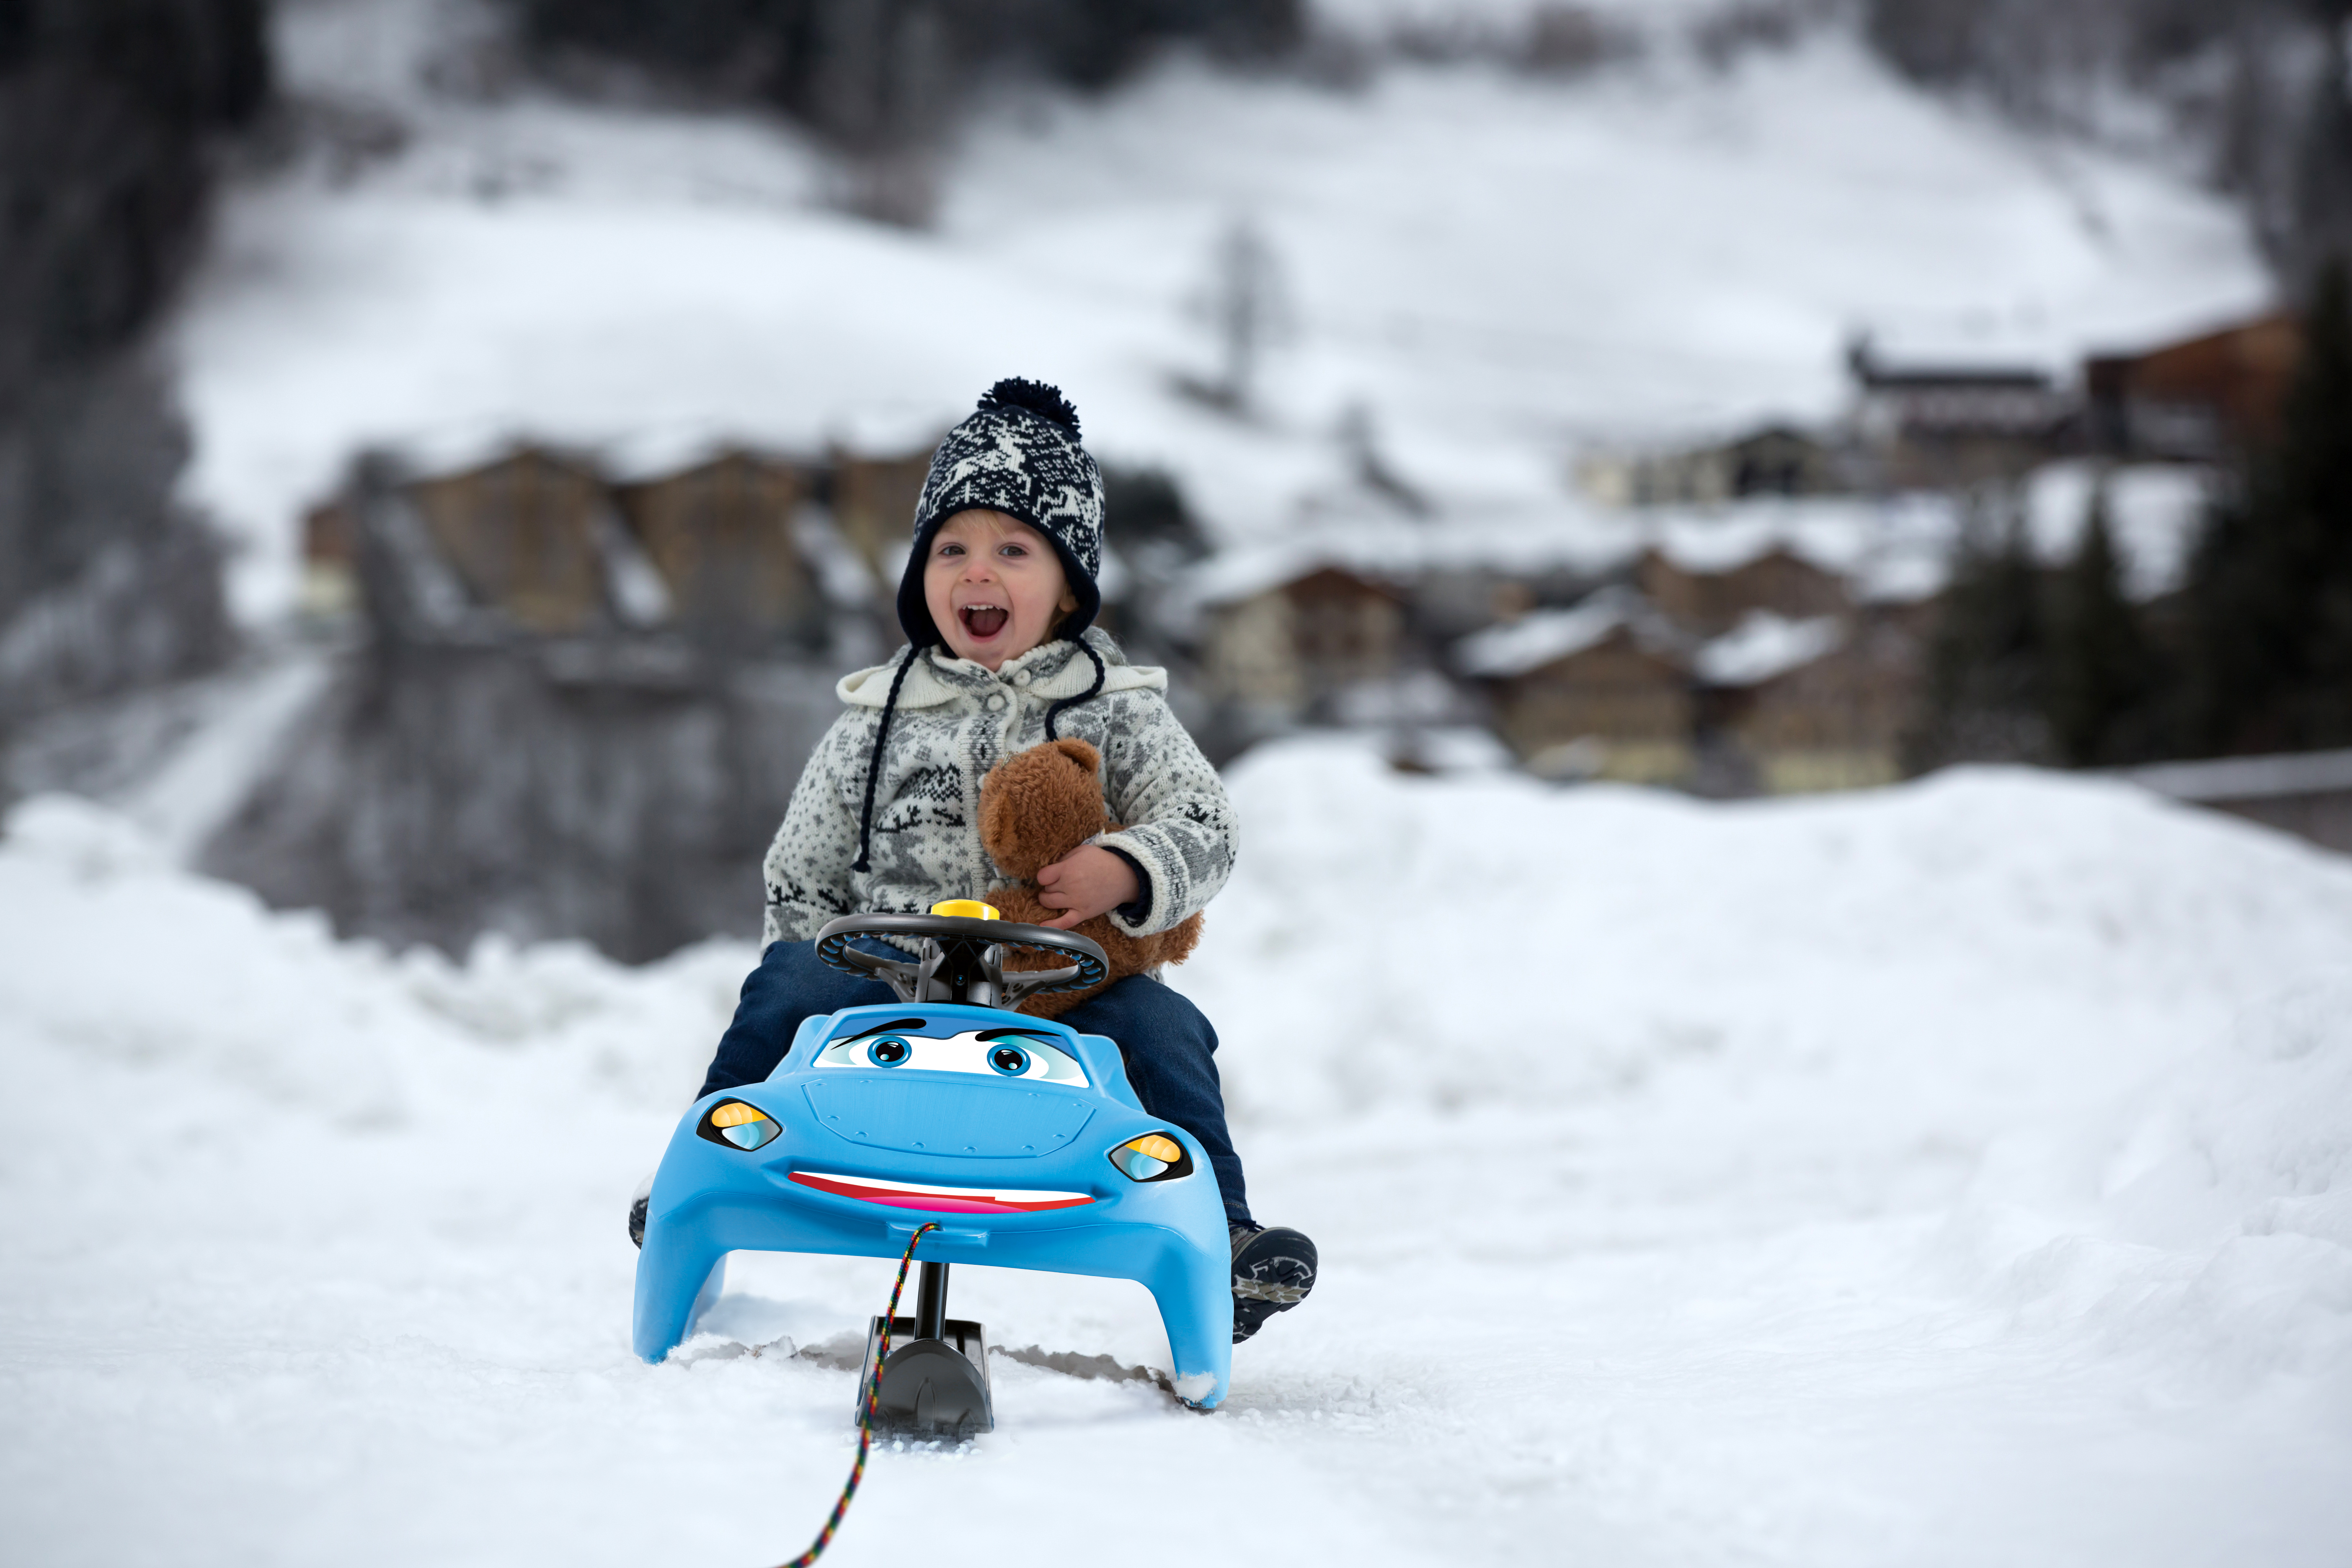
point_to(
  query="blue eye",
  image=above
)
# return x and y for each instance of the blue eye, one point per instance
(887, 1051)
(1009, 1060)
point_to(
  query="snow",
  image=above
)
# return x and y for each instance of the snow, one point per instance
(1943, 1175)
(1488, 269)
(1541, 636)
(1764, 645)
(2153, 514)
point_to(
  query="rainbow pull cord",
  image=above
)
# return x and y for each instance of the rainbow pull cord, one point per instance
(866, 1413)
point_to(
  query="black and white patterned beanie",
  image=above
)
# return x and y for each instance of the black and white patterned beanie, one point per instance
(1018, 453)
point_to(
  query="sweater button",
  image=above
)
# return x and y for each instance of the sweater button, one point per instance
(996, 703)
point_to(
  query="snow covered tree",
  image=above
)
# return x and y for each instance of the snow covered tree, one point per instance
(2271, 584)
(2102, 674)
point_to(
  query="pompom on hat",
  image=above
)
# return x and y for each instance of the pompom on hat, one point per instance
(1018, 453)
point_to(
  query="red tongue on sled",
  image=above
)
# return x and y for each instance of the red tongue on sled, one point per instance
(985, 622)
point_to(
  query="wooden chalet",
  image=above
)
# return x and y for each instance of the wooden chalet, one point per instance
(1830, 716)
(1600, 690)
(722, 535)
(874, 505)
(1711, 602)
(2196, 400)
(330, 546)
(1941, 426)
(1287, 651)
(1776, 460)
(521, 536)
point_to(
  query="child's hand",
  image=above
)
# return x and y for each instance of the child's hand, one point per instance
(1088, 881)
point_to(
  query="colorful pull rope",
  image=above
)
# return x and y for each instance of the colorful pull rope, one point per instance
(865, 1414)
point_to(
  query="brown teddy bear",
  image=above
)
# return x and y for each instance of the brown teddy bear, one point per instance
(1035, 807)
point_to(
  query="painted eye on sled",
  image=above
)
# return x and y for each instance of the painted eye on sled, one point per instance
(1009, 1060)
(888, 1052)
(1155, 1156)
(738, 1125)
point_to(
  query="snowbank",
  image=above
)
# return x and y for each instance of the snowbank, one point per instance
(1948, 1175)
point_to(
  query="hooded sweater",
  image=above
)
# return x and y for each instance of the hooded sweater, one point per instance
(954, 720)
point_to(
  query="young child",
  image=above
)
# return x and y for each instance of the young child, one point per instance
(998, 603)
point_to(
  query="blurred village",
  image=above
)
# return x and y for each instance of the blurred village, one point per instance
(553, 689)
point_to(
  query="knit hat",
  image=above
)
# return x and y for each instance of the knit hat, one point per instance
(1018, 453)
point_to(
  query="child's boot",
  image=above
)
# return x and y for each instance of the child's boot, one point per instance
(638, 1202)
(1272, 1271)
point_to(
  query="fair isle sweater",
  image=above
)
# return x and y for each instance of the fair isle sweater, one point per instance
(954, 721)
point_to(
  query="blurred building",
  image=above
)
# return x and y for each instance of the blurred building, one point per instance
(2196, 400)
(1775, 460)
(1601, 689)
(874, 501)
(724, 537)
(574, 704)
(1288, 652)
(1771, 673)
(1711, 601)
(1943, 426)
(1800, 705)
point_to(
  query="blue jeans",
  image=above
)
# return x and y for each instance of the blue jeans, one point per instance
(1168, 1045)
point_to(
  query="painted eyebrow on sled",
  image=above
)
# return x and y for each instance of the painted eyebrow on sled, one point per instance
(984, 1036)
(893, 1026)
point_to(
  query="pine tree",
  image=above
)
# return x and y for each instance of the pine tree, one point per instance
(2271, 584)
(1987, 687)
(2101, 665)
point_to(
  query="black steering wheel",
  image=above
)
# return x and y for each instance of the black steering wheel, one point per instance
(959, 958)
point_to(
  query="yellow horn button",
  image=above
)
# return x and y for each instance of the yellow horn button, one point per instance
(736, 1115)
(968, 909)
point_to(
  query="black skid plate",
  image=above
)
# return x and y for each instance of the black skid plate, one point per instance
(930, 1387)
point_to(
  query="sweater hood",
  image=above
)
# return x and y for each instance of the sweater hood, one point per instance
(1054, 670)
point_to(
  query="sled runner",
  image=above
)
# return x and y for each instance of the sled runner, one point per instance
(1017, 1135)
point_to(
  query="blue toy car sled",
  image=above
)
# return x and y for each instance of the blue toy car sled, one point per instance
(1018, 1135)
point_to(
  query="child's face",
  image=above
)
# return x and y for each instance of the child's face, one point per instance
(994, 587)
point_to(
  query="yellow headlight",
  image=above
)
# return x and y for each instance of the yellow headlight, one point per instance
(735, 1125)
(1155, 1156)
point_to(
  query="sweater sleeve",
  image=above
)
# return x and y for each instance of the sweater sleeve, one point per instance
(1181, 829)
(807, 868)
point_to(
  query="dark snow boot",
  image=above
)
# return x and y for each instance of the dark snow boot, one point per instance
(637, 1204)
(1273, 1271)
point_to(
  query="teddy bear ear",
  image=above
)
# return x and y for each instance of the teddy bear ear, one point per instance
(1081, 753)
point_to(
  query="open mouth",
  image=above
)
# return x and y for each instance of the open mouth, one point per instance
(983, 620)
(939, 1199)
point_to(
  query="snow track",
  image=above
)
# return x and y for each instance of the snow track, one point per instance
(1955, 1174)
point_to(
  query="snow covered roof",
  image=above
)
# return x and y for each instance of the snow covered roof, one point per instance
(1764, 645)
(1542, 636)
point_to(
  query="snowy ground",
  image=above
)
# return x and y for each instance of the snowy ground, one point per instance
(1955, 1174)
(1488, 269)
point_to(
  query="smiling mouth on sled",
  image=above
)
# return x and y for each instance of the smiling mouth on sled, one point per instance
(938, 1200)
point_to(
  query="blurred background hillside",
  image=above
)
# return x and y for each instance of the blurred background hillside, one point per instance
(449, 448)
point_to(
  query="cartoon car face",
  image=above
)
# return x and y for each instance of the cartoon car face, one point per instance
(1020, 1137)
(999, 1051)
